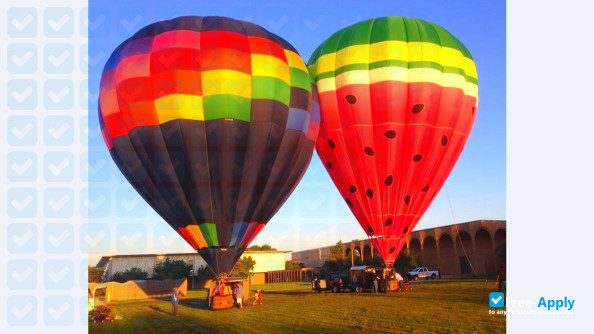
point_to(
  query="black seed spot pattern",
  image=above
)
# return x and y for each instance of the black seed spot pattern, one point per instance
(389, 222)
(351, 99)
(392, 250)
(417, 108)
(369, 151)
(390, 134)
(444, 140)
(389, 180)
(425, 188)
(417, 158)
(370, 229)
(329, 165)
(352, 188)
(370, 193)
(405, 230)
(473, 110)
(331, 143)
(407, 199)
(348, 202)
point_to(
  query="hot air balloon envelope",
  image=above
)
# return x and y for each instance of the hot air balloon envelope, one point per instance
(398, 98)
(213, 121)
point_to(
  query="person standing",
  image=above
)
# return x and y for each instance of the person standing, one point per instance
(400, 281)
(239, 295)
(175, 301)
(375, 282)
(500, 280)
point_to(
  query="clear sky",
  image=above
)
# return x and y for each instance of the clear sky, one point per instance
(315, 214)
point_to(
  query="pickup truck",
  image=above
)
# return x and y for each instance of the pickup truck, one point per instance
(422, 272)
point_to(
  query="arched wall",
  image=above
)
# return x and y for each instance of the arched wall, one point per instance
(430, 254)
(448, 260)
(484, 252)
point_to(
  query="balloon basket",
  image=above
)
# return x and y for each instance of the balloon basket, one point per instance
(222, 296)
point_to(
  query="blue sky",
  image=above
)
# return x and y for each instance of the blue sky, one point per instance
(315, 214)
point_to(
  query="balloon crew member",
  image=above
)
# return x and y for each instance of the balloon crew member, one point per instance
(257, 298)
(500, 280)
(175, 301)
(400, 281)
(375, 281)
(238, 295)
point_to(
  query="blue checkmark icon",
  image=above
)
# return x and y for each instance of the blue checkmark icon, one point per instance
(496, 299)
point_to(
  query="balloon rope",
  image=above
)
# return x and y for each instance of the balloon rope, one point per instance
(458, 231)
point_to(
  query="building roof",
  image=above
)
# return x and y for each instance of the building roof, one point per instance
(104, 259)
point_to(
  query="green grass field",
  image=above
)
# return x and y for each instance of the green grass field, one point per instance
(442, 306)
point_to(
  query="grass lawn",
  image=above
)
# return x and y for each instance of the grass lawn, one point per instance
(439, 306)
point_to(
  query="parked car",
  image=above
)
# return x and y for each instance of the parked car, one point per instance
(335, 282)
(422, 272)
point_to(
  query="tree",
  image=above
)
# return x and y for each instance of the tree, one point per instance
(131, 274)
(204, 273)
(95, 274)
(264, 247)
(376, 261)
(406, 261)
(337, 261)
(243, 268)
(173, 269)
(290, 265)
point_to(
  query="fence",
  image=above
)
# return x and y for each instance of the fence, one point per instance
(296, 275)
(141, 289)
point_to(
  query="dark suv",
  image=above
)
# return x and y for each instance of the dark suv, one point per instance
(334, 281)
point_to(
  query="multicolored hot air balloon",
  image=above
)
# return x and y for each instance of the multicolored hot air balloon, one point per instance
(398, 98)
(213, 121)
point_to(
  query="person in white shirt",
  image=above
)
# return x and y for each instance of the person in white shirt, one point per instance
(400, 281)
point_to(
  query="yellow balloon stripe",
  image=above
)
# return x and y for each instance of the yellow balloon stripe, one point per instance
(398, 74)
(226, 82)
(295, 60)
(394, 50)
(179, 106)
(270, 66)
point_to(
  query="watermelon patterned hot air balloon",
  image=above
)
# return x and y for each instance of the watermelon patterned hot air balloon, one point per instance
(398, 98)
(213, 121)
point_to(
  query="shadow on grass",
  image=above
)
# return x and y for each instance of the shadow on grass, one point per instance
(158, 309)
(197, 303)
(287, 293)
(424, 294)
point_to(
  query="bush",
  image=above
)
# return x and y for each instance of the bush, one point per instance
(290, 265)
(129, 275)
(173, 269)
